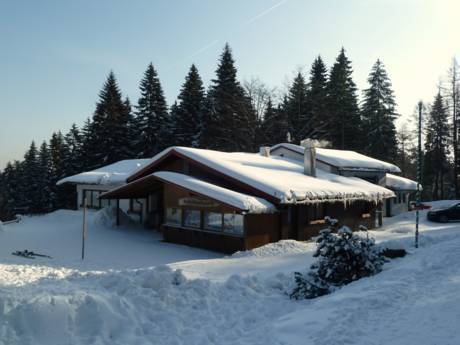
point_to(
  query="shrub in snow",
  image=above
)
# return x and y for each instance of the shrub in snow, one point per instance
(343, 257)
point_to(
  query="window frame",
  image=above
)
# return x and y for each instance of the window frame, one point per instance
(184, 217)
(213, 228)
(88, 194)
(180, 220)
(234, 233)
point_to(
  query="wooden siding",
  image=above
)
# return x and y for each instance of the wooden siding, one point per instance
(351, 216)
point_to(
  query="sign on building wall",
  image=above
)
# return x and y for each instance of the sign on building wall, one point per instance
(197, 202)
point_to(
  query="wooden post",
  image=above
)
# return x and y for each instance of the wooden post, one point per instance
(83, 229)
(419, 170)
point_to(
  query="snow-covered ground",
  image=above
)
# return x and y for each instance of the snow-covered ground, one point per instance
(133, 288)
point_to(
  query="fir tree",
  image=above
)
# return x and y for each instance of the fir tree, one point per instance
(108, 125)
(297, 110)
(152, 119)
(88, 140)
(45, 194)
(12, 193)
(436, 161)
(379, 115)
(274, 125)
(73, 142)
(317, 99)
(344, 129)
(57, 148)
(188, 113)
(30, 181)
(229, 119)
(123, 135)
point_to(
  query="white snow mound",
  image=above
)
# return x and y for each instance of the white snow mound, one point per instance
(283, 247)
(107, 217)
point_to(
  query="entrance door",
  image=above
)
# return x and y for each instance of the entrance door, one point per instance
(155, 211)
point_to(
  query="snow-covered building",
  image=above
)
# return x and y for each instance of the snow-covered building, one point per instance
(351, 163)
(91, 184)
(403, 188)
(236, 201)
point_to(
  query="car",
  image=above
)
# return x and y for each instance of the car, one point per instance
(413, 206)
(446, 214)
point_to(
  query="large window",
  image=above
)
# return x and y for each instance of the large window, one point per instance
(92, 199)
(192, 218)
(105, 202)
(213, 221)
(233, 223)
(174, 216)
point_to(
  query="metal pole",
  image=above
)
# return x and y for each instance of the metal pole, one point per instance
(83, 230)
(419, 171)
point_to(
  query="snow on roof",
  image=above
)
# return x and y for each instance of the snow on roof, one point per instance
(283, 178)
(343, 159)
(241, 201)
(400, 183)
(113, 174)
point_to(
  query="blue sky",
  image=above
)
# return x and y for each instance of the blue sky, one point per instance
(55, 55)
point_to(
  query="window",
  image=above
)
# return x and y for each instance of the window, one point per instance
(192, 218)
(105, 202)
(404, 197)
(173, 216)
(233, 223)
(213, 221)
(92, 199)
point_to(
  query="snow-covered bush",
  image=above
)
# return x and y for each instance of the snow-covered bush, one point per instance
(343, 257)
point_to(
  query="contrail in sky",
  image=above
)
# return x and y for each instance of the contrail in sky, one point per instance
(246, 23)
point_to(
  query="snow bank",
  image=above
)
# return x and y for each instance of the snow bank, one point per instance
(107, 217)
(415, 300)
(283, 247)
(239, 200)
(207, 299)
(113, 174)
(153, 306)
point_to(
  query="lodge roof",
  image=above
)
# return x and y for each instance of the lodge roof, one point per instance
(278, 178)
(112, 174)
(400, 183)
(239, 201)
(342, 159)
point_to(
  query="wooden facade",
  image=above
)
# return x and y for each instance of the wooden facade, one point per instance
(183, 215)
(258, 229)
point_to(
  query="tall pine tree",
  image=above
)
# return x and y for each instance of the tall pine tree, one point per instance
(317, 99)
(229, 119)
(152, 118)
(274, 126)
(297, 110)
(436, 162)
(344, 125)
(188, 112)
(379, 115)
(30, 180)
(45, 196)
